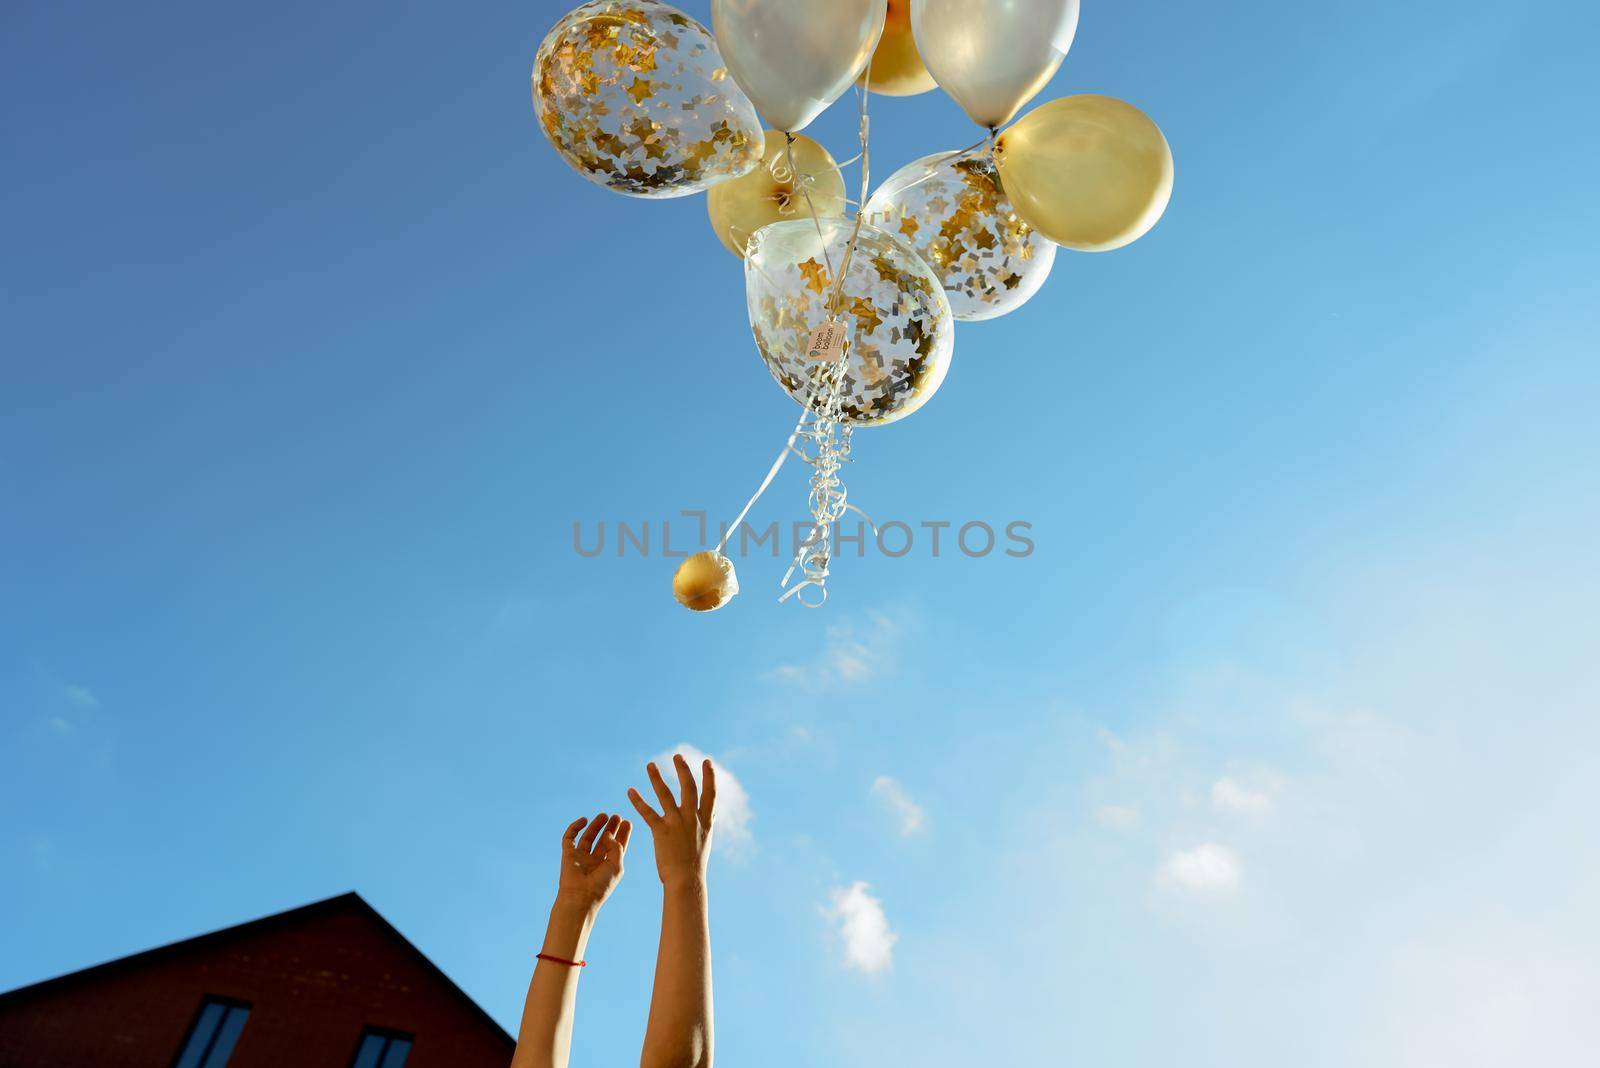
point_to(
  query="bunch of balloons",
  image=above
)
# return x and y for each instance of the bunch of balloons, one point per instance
(851, 301)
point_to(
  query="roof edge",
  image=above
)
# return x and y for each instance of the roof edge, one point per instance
(348, 899)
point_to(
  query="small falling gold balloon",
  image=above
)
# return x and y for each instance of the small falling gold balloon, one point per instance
(705, 581)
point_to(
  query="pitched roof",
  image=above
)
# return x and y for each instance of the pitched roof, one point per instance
(347, 902)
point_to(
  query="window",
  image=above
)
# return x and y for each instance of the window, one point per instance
(212, 1035)
(382, 1049)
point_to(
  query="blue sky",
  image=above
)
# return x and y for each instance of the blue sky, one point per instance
(1280, 748)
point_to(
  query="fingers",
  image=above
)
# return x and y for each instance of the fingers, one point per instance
(686, 787)
(610, 848)
(586, 843)
(708, 792)
(570, 837)
(650, 816)
(663, 792)
(624, 832)
(608, 834)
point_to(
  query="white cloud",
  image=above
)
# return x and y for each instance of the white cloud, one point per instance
(734, 814)
(851, 654)
(79, 696)
(1502, 993)
(1208, 868)
(907, 813)
(864, 928)
(61, 725)
(1117, 817)
(1421, 891)
(1228, 795)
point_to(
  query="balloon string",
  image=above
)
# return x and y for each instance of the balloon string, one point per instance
(829, 433)
(772, 473)
(805, 191)
(934, 168)
(827, 500)
(866, 185)
(866, 162)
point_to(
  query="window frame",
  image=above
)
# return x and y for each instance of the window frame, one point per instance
(228, 1005)
(388, 1035)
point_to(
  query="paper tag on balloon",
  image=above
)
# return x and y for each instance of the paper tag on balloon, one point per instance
(827, 342)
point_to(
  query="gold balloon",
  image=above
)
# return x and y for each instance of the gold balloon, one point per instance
(896, 68)
(1089, 172)
(705, 581)
(633, 95)
(774, 192)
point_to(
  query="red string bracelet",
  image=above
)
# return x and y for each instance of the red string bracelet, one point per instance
(563, 960)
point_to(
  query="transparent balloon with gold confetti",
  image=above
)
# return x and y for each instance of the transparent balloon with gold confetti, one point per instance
(951, 209)
(897, 330)
(634, 96)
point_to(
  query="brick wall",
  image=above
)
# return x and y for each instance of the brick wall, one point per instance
(314, 978)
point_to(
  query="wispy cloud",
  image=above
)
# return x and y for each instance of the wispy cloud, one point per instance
(79, 696)
(1229, 795)
(1117, 817)
(61, 724)
(907, 813)
(864, 929)
(852, 653)
(1208, 868)
(734, 814)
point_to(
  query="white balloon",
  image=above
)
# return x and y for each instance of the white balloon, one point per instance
(992, 57)
(793, 58)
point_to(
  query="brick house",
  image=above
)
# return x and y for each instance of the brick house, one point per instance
(329, 984)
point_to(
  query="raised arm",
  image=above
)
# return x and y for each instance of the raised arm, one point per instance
(591, 867)
(679, 1034)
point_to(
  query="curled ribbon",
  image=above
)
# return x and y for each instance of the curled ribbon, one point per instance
(822, 423)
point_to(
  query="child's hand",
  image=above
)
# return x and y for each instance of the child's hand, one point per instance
(591, 866)
(682, 833)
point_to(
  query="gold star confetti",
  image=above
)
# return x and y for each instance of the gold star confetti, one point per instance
(902, 332)
(624, 89)
(816, 275)
(600, 32)
(954, 213)
(641, 89)
(866, 314)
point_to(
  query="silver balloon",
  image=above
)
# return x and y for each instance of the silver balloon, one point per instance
(951, 209)
(633, 94)
(993, 57)
(899, 329)
(793, 57)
